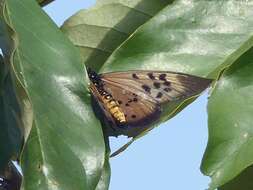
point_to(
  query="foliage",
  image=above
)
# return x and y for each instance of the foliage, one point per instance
(47, 119)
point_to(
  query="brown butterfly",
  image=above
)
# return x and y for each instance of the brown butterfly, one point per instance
(131, 101)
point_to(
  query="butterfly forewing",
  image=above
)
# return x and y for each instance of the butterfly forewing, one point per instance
(139, 95)
(159, 86)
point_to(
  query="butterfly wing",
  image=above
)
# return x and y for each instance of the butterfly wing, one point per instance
(139, 110)
(140, 94)
(160, 86)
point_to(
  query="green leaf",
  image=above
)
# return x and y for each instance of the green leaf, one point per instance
(65, 149)
(195, 37)
(242, 181)
(97, 32)
(230, 109)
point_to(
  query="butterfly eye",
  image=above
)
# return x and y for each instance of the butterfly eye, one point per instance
(94, 77)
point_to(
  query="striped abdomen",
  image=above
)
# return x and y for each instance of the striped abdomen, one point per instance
(114, 108)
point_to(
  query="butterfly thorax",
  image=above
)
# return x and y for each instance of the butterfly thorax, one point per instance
(105, 98)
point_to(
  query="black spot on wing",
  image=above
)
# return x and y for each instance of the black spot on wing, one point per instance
(133, 116)
(157, 84)
(135, 99)
(167, 83)
(159, 95)
(130, 100)
(151, 76)
(135, 76)
(162, 77)
(119, 101)
(167, 89)
(136, 126)
(146, 88)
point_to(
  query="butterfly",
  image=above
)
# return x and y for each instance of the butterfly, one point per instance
(131, 101)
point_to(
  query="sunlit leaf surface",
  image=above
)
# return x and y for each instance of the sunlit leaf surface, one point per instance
(97, 32)
(195, 37)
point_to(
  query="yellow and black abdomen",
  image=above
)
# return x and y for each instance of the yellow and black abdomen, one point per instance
(106, 99)
(114, 109)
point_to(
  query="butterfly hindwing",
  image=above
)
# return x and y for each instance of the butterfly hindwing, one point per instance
(139, 109)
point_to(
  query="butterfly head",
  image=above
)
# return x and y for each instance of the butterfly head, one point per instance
(93, 75)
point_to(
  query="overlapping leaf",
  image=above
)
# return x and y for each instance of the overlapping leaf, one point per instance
(97, 32)
(195, 37)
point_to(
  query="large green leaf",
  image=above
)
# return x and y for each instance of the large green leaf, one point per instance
(65, 149)
(190, 36)
(100, 30)
(230, 109)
